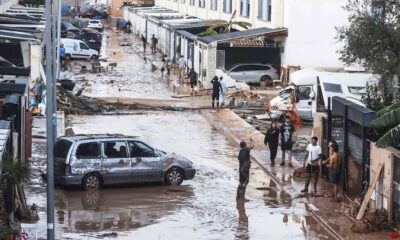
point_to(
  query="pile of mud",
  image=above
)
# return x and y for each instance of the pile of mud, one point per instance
(77, 105)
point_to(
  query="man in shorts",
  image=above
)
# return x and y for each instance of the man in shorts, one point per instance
(311, 163)
(287, 131)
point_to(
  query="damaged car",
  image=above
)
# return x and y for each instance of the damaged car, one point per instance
(93, 161)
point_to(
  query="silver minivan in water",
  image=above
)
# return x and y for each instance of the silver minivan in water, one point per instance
(91, 161)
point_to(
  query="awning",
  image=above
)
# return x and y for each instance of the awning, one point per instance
(16, 35)
(250, 33)
(9, 88)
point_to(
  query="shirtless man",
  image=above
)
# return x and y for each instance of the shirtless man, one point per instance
(334, 164)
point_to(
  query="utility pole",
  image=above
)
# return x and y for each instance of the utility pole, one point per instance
(50, 117)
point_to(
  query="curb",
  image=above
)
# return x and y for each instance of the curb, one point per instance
(214, 121)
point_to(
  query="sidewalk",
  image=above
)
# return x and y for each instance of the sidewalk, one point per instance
(325, 210)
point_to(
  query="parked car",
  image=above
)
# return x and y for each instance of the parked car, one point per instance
(95, 24)
(91, 37)
(93, 14)
(77, 49)
(253, 73)
(91, 161)
(68, 30)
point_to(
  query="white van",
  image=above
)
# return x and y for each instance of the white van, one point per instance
(77, 49)
(310, 89)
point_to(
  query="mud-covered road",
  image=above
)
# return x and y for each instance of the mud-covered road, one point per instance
(202, 208)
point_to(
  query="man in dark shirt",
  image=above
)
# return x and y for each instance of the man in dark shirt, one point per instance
(154, 42)
(244, 169)
(287, 131)
(144, 41)
(217, 88)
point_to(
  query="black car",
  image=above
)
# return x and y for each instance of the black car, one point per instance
(91, 37)
(68, 30)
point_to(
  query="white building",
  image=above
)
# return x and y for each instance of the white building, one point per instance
(311, 24)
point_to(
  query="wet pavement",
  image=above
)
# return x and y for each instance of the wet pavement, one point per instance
(132, 77)
(202, 208)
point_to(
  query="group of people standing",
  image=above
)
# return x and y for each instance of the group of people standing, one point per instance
(284, 136)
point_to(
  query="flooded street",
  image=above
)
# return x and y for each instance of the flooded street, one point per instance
(202, 208)
(131, 77)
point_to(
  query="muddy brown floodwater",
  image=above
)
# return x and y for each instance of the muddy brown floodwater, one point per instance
(202, 208)
(132, 77)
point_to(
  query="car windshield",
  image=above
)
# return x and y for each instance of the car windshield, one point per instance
(94, 22)
(61, 148)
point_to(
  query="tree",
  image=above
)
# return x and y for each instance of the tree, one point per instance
(387, 121)
(224, 26)
(372, 40)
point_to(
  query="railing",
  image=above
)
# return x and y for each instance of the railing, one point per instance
(29, 231)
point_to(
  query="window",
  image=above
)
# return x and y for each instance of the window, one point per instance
(304, 93)
(192, 2)
(331, 87)
(245, 8)
(202, 3)
(88, 150)
(61, 148)
(258, 68)
(183, 1)
(139, 149)
(227, 4)
(83, 46)
(214, 5)
(264, 10)
(240, 68)
(358, 90)
(115, 149)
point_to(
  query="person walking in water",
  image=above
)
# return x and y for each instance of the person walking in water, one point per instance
(216, 89)
(287, 131)
(154, 42)
(311, 162)
(244, 169)
(334, 163)
(193, 80)
(271, 140)
(144, 41)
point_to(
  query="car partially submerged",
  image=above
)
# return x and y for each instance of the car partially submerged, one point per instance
(92, 161)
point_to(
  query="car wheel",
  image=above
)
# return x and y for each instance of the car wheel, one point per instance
(67, 57)
(266, 78)
(92, 181)
(94, 57)
(174, 176)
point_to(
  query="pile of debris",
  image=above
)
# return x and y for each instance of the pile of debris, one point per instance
(372, 221)
(72, 104)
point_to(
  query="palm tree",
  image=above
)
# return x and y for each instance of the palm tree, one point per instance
(387, 121)
(224, 26)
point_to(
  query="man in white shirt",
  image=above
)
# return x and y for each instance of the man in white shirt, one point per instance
(182, 66)
(223, 91)
(311, 162)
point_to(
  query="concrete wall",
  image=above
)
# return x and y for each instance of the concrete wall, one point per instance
(207, 13)
(382, 196)
(311, 41)
(7, 4)
(36, 59)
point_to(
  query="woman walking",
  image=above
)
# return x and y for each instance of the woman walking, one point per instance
(272, 140)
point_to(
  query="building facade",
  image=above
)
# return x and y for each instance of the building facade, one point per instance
(311, 40)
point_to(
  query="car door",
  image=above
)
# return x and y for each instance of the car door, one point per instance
(117, 162)
(146, 163)
(85, 50)
(86, 158)
(239, 73)
(304, 101)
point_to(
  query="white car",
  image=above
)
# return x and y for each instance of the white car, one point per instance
(96, 24)
(253, 73)
(77, 49)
